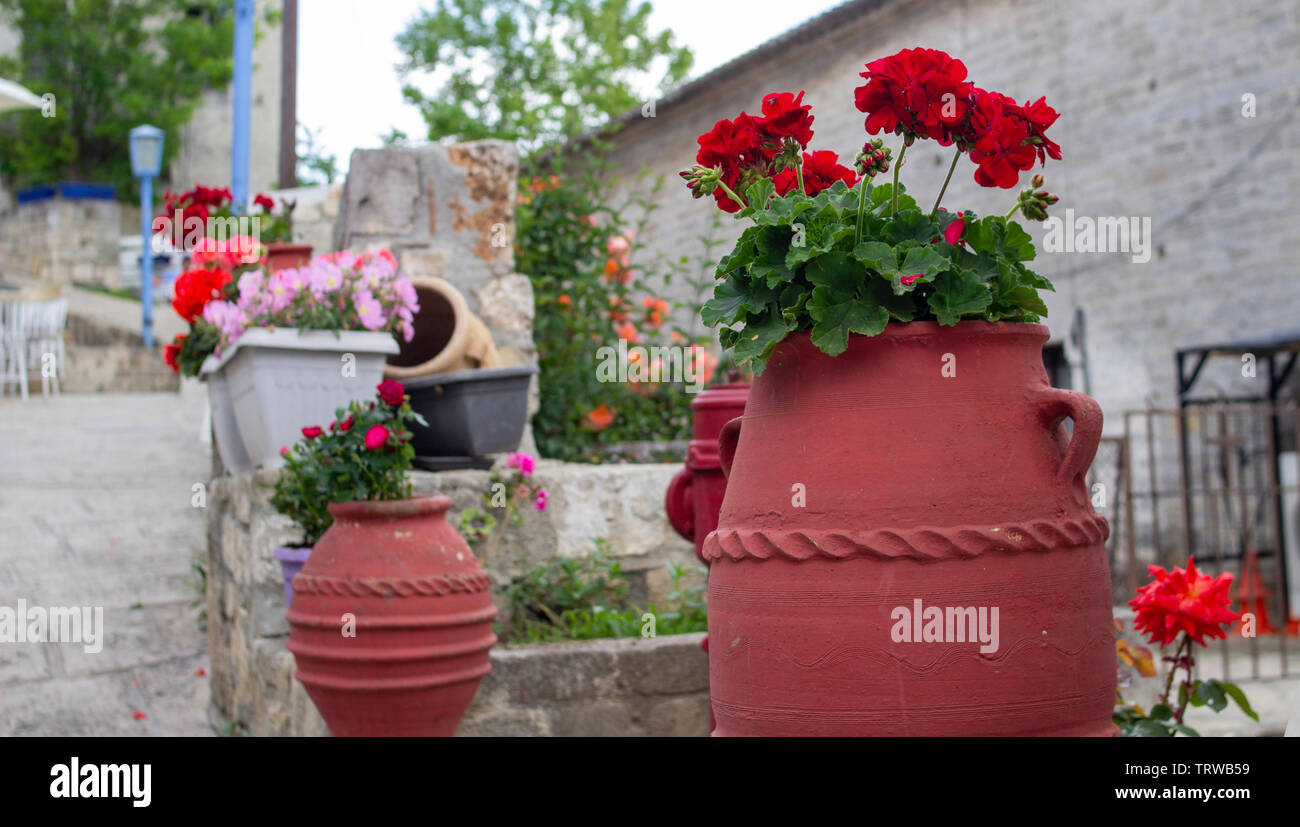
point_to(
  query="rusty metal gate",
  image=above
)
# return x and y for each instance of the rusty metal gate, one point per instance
(1220, 482)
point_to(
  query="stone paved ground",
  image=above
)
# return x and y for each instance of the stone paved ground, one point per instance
(95, 509)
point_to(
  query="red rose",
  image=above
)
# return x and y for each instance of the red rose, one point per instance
(786, 116)
(1183, 601)
(345, 424)
(391, 392)
(924, 91)
(264, 202)
(312, 432)
(820, 169)
(376, 437)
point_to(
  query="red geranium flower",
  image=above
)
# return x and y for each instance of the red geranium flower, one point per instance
(953, 232)
(923, 91)
(820, 169)
(1183, 601)
(264, 202)
(195, 288)
(735, 147)
(787, 116)
(172, 351)
(392, 392)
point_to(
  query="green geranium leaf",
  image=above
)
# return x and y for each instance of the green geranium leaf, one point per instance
(761, 334)
(838, 314)
(1017, 243)
(724, 307)
(957, 294)
(877, 255)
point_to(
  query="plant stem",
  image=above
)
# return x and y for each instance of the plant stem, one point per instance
(798, 174)
(862, 207)
(945, 184)
(893, 208)
(1173, 670)
(733, 196)
(1013, 211)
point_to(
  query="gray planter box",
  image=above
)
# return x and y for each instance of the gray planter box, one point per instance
(471, 412)
(281, 381)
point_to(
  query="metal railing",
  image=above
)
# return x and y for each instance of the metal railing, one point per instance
(1220, 482)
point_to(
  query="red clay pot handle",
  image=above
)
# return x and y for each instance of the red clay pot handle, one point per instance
(727, 439)
(1054, 406)
(679, 502)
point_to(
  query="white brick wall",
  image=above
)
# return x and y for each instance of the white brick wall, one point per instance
(1151, 125)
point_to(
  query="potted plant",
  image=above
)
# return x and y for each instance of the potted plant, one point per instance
(906, 545)
(277, 233)
(297, 343)
(215, 266)
(390, 620)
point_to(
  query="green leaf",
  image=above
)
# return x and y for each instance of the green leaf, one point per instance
(958, 294)
(901, 307)
(758, 195)
(1233, 691)
(1161, 712)
(877, 255)
(1213, 695)
(1147, 728)
(1017, 243)
(1186, 730)
(839, 314)
(724, 307)
(760, 336)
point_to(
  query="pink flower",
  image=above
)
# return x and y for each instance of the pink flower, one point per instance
(541, 499)
(952, 233)
(284, 450)
(369, 311)
(524, 462)
(907, 280)
(376, 437)
(312, 432)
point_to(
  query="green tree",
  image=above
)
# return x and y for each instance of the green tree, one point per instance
(533, 71)
(111, 65)
(315, 165)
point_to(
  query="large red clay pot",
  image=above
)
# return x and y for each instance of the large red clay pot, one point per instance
(423, 620)
(694, 494)
(935, 467)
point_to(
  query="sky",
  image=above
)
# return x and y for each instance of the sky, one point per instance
(350, 95)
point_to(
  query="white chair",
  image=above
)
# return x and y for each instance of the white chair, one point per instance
(44, 323)
(13, 347)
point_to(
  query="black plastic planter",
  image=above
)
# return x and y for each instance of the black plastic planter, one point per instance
(471, 412)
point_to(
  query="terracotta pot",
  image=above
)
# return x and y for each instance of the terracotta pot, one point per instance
(281, 256)
(447, 336)
(694, 495)
(423, 620)
(925, 464)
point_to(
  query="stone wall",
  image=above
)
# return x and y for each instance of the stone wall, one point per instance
(610, 687)
(62, 240)
(446, 211)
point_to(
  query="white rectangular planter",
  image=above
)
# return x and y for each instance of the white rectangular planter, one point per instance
(281, 381)
(225, 428)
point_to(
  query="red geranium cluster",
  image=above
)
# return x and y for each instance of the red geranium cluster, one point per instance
(195, 288)
(741, 151)
(201, 203)
(923, 93)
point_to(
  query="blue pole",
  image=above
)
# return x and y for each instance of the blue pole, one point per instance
(243, 82)
(146, 260)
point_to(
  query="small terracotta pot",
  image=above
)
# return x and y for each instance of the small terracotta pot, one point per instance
(391, 620)
(923, 470)
(281, 256)
(447, 338)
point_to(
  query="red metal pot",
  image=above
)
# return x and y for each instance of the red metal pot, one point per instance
(925, 464)
(421, 614)
(283, 256)
(694, 495)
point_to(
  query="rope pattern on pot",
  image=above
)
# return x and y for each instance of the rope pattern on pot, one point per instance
(438, 586)
(920, 543)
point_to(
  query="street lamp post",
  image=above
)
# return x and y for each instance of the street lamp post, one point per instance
(146, 163)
